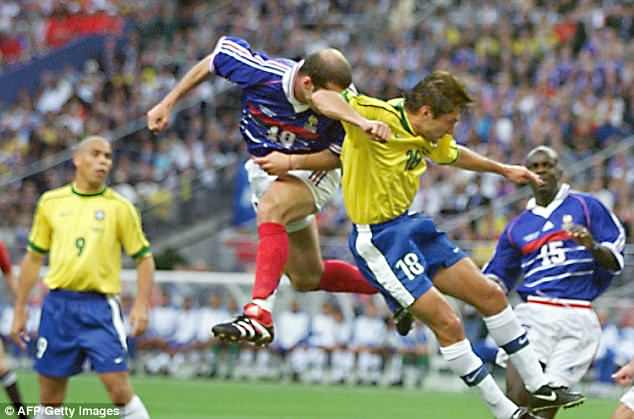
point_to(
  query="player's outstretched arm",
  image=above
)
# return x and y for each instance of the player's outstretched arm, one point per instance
(278, 164)
(330, 103)
(139, 314)
(470, 160)
(625, 375)
(29, 274)
(158, 116)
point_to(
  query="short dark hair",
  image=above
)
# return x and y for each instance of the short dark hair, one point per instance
(327, 66)
(441, 91)
(550, 152)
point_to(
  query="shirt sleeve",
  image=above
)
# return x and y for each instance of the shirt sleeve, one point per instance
(506, 265)
(446, 151)
(336, 134)
(5, 259)
(234, 60)
(41, 231)
(131, 233)
(606, 229)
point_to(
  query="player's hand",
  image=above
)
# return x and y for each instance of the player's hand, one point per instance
(139, 317)
(580, 234)
(158, 117)
(377, 130)
(521, 175)
(18, 328)
(625, 375)
(275, 163)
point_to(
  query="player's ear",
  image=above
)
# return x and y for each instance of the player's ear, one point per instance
(76, 159)
(425, 112)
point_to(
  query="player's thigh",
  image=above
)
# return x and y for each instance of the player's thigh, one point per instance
(288, 199)
(391, 260)
(118, 386)
(623, 412)
(52, 390)
(433, 309)
(542, 324)
(57, 352)
(103, 337)
(464, 281)
(575, 347)
(304, 266)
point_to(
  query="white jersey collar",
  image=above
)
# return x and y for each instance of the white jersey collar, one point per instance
(546, 211)
(288, 80)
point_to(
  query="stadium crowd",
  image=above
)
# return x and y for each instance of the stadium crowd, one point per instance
(537, 69)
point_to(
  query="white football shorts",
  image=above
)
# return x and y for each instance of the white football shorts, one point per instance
(628, 399)
(566, 339)
(322, 184)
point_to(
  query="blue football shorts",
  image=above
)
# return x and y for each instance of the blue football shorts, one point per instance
(401, 256)
(75, 326)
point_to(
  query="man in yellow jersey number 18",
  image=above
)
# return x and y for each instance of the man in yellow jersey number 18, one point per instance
(83, 227)
(404, 255)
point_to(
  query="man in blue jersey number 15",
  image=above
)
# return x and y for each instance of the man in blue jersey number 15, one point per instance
(567, 246)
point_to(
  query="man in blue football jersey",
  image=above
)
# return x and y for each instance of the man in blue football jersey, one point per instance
(567, 246)
(277, 116)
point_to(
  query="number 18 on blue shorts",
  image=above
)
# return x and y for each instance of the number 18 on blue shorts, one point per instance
(401, 256)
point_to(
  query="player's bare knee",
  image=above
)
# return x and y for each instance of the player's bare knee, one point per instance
(120, 396)
(492, 301)
(448, 329)
(304, 282)
(52, 396)
(273, 209)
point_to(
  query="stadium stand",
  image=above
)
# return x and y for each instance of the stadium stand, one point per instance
(540, 73)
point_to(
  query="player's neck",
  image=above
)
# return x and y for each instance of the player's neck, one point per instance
(86, 188)
(544, 199)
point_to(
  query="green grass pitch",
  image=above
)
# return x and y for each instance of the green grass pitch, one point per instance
(198, 399)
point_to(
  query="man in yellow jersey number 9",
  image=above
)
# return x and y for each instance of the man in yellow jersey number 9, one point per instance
(83, 227)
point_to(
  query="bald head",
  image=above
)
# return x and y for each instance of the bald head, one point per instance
(88, 143)
(93, 160)
(552, 154)
(327, 66)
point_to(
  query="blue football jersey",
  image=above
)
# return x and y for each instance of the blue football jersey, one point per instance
(272, 118)
(536, 247)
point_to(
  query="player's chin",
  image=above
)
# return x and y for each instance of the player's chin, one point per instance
(100, 175)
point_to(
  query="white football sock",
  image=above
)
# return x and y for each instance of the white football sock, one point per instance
(134, 409)
(507, 332)
(469, 367)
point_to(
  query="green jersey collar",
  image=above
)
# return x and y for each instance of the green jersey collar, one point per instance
(76, 192)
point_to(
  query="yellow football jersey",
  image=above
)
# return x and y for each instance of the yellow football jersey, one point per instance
(380, 180)
(84, 234)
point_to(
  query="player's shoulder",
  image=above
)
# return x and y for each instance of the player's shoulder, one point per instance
(586, 199)
(118, 199)
(388, 107)
(56, 194)
(518, 222)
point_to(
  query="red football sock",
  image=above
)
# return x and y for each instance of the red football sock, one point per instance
(340, 276)
(271, 257)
